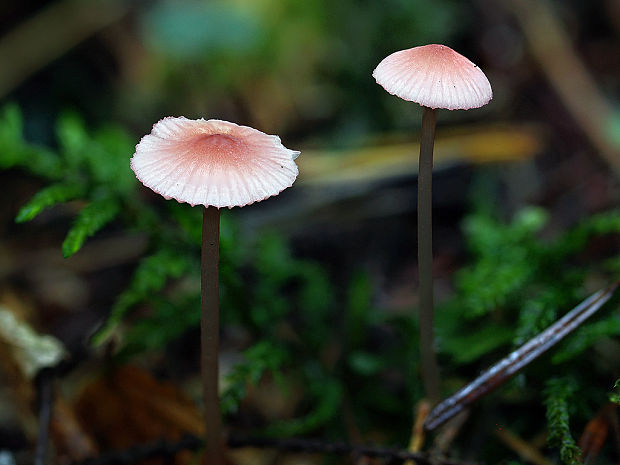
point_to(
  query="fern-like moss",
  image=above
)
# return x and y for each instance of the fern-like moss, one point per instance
(558, 393)
(326, 398)
(16, 152)
(262, 357)
(148, 279)
(49, 196)
(586, 336)
(92, 167)
(91, 219)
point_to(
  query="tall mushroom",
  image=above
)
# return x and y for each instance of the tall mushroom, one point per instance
(435, 76)
(216, 164)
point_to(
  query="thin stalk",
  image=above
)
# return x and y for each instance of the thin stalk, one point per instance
(430, 369)
(210, 327)
(45, 381)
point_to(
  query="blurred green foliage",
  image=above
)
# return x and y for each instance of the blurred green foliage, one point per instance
(334, 344)
(149, 278)
(258, 359)
(283, 63)
(524, 282)
(518, 282)
(16, 152)
(185, 30)
(91, 168)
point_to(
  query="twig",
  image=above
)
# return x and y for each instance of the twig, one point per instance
(448, 433)
(44, 379)
(134, 454)
(162, 449)
(418, 434)
(518, 359)
(550, 45)
(63, 24)
(524, 449)
(337, 448)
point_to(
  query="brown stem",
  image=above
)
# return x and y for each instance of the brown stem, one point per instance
(45, 381)
(210, 327)
(430, 369)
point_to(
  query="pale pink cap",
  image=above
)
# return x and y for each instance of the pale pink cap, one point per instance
(213, 162)
(434, 76)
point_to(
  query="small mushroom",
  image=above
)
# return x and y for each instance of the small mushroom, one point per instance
(435, 76)
(216, 164)
(213, 163)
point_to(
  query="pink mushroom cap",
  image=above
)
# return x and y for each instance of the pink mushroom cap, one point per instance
(434, 76)
(213, 162)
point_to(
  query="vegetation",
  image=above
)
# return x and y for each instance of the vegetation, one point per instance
(558, 395)
(335, 347)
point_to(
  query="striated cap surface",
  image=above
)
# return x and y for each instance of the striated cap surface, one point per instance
(434, 76)
(213, 162)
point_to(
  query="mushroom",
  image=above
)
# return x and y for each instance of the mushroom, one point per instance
(435, 76)
(216, 164)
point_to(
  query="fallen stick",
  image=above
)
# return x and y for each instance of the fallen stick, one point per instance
(507, 367)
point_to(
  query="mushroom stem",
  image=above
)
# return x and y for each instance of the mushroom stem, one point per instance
(430, 369)
(210, 326)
